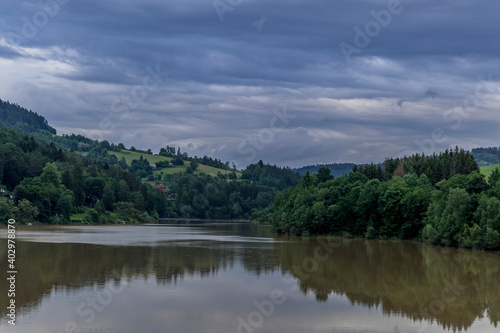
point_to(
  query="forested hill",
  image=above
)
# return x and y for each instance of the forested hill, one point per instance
(337, 169)
(58, 179)
(486, 156)
(21, 119)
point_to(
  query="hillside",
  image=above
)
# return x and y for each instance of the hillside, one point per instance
(56, 179)
(337, 169)
(18, 118)
(486, 156)
(130, 156)
(488, 169)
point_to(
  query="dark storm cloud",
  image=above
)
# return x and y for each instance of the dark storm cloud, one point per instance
(226, 77)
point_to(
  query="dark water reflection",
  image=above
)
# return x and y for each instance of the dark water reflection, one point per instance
(213, 277)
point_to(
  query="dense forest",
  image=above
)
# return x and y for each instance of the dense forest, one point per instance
(439, 199)
(251, 196)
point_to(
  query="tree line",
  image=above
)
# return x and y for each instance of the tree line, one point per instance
(224, 197)
(440, 199)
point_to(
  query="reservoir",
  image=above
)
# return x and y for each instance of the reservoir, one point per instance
(218, 277)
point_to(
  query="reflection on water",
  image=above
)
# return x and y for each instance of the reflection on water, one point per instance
(223, 277)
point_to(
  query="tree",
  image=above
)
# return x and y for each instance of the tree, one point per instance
(51, 175)
(7, 209)
(122, 191)
(108, 196)
(64, 206)
(400, 169)
(393, 208)
(27, 211)
(177, 160)
(324, 175)
(14, 165)
(494, 177)
(78, 185)
(193, 165)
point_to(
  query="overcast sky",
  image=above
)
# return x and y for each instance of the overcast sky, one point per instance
(291, 82)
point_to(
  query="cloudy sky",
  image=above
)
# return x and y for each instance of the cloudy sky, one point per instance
(292, 82)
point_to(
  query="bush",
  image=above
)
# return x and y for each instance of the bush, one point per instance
(92, 215)
(492, 239)
(430, 235)
(56, 219)
(371, 233)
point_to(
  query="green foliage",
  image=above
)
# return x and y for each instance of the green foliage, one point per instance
(51, 175)
(436, 167)
(463, 210)
(271, 175)
(371, 232)
(336, 169)
(7, 209)
(108, 196)
(27, 211)
(193, 165)
(486, 156)
(177, 160)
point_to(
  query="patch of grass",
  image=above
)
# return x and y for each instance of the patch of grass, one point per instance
(77, 217)
(132, 155)
(487, 170)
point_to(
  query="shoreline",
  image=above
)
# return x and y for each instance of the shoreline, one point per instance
(200, 220)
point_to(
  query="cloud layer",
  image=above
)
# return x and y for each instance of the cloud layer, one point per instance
(291, 82)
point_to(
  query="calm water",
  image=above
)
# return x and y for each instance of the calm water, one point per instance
(217, 277)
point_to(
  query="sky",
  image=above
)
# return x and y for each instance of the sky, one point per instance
(291, 82)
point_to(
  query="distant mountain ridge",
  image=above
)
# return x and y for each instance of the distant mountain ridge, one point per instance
(337, 169)
(18, 118)
(486, 155)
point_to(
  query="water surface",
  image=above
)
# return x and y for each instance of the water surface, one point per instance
(238, 277)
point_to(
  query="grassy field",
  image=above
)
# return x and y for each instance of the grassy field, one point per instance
(486, 170)
(131, 155)
(77, 217)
